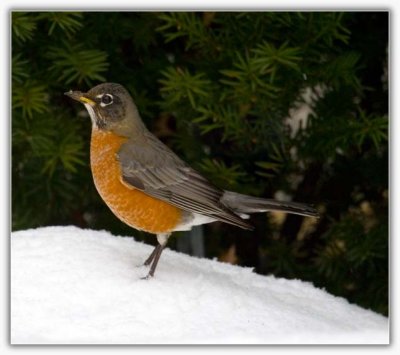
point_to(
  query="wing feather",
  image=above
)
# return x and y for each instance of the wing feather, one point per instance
(158, 172)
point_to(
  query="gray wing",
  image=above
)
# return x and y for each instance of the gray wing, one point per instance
(154, 169)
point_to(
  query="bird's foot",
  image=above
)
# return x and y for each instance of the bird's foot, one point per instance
(147, 277)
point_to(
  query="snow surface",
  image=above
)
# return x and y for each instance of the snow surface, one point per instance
(75, 286)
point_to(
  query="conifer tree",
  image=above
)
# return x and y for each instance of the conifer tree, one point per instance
(223, 90)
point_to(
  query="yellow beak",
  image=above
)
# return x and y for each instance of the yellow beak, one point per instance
(81, 97)
(87, 101)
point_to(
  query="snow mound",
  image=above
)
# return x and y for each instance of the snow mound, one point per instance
(75, 286)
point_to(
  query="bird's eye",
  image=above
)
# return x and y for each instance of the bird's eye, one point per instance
(106, 99)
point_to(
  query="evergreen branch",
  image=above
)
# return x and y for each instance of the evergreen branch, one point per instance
(247, 79)
(68, 22)
(68, 152)
(222, 116)
(183, 24)
(330, 28)
(23, 25)
(19, 68)
(270, 58)
(78, 64)
(179, 85)
(373, 128)
(343, 70)
(220, 174)
(30, 97)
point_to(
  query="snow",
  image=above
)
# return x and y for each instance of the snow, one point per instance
(76, 286)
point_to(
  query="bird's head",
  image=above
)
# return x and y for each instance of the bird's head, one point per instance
(110, 107)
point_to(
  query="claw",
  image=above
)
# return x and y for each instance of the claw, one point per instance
(147, 277)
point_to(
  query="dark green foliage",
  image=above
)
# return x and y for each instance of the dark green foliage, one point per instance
(218, 88)
(77, 64)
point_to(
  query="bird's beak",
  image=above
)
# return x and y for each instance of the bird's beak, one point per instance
(81, 97)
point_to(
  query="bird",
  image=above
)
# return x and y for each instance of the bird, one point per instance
(147, 186)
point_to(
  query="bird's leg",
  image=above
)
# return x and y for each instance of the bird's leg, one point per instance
(155, 261)
(156, 253)
(151, 256)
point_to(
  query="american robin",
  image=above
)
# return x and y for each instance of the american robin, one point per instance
(146, 185)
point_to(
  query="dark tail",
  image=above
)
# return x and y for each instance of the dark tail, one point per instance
(248, 204)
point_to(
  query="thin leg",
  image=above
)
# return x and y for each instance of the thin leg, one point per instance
(156, 253)
(153, 259)
(151, 256)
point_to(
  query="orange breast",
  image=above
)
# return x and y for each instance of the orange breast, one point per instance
(130, 205)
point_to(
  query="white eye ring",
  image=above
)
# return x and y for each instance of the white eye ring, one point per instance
(106, 99)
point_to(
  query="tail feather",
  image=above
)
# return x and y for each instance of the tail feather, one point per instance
(248, 204)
